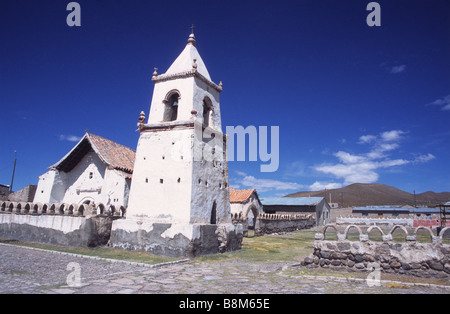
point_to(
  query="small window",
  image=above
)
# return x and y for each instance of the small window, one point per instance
(179, 180)
(146, 180)
(91, 175)
(171, 112)
(161, 181)
(207, 108)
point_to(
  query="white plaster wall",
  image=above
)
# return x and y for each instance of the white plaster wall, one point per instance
(202, 90)
(209, 185)
(51, 187)
(76, 187)
(44, 187)
(116, 188)
(62, 223)
(185, 86)
(78, 179)
(167, 156)
(192, 92)
(236, 208)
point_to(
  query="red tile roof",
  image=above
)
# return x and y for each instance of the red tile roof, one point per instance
(240, 196)
(115, 155)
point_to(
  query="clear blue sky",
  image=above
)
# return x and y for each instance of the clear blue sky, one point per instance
(353, 103)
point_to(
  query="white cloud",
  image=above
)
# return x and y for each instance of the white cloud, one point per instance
(318, 186)
(366, 139)
(347, 158)
(265, 185)
(363, 168)
(391, 136)
(70, 138)
(398, 69)
(444, 103)
(424, 158)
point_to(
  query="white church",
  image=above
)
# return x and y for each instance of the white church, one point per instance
(175, 185)
(95, 171)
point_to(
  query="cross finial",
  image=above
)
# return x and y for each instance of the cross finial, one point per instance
(192, 29)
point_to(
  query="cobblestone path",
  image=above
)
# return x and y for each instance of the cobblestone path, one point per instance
(23, 270)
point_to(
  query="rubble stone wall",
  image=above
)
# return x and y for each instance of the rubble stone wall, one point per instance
(410, 257)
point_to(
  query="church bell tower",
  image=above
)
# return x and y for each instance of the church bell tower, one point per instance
(180, 176)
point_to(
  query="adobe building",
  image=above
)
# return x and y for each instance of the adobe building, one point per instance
(179, 201)
(96, 170)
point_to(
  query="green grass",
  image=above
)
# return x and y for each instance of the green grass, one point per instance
(102, 252)
(290, 247)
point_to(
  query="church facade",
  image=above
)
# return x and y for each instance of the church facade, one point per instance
(95, 171)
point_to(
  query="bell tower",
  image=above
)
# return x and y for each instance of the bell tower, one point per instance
(180, 176)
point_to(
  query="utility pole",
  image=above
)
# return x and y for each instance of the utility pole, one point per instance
(14, 170)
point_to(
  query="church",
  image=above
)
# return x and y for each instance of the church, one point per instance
(179, 198)
(95, 171)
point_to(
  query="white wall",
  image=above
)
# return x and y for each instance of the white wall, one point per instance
(90, 180)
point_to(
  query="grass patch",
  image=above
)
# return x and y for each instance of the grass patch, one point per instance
(290, 247)
(102, 252)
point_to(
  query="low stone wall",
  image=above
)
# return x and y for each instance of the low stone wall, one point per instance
(390, 222)
(410, 257)
(175, 239)
(60, 224)
(274, 223)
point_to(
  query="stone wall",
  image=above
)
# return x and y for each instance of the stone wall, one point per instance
(24, 195)
(390, 222)
(410, 257)
(275, 223)
(60, 224)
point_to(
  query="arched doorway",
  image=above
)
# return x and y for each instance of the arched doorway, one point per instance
(213, 220)
(251, 221)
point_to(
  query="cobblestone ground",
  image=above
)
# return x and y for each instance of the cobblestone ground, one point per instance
(23, 270)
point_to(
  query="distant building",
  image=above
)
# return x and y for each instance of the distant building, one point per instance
(25, 195)
(317, 205)
(245, 205)
(4, 190)
(96, 170)
(400, 212)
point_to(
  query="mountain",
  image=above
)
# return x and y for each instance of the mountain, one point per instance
(366, 194)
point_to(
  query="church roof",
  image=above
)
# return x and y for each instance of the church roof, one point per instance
(185, 60)
(111, 153)
(241, 196)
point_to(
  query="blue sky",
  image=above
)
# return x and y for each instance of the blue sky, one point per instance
(353, 103)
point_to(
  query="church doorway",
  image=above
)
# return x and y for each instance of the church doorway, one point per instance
(251, 217)
(213, 214)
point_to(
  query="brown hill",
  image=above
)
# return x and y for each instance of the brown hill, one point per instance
(366, 194)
